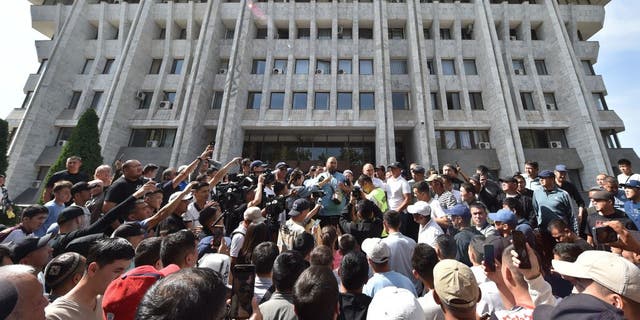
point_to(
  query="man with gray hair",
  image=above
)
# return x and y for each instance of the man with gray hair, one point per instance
(20, 293)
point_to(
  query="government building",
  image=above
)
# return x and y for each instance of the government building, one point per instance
(476, 81)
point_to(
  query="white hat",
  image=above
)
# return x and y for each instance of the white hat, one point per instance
(420, 207)
(253, 214)
(218, 262)
(393, 303)
(607, 269)
(376, 250)
(174, 195)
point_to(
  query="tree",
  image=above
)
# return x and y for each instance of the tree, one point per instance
(84, 142)
(4, 144)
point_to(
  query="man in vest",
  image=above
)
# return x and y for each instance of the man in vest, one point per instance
(370, 192)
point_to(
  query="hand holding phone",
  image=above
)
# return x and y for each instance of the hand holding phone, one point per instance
(605, 234)
(489, 258)
(242, 291)
(520, 246)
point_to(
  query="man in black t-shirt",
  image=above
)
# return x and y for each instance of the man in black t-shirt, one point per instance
(71, 174)
(130, 181)
(603, 202)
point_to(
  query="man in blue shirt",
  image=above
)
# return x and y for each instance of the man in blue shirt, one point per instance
(550, 202)
(378, 254)
(336, 193)
(61, 195)
(632, 206)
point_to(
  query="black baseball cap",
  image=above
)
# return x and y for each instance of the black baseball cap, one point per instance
(24, 246)
(69, 213)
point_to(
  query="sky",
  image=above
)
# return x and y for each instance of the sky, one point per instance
(618, 61)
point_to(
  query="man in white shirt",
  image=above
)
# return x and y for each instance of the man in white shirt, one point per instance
(626, 175)
(428, 229)
(251, 215)
(370, 171)
(421, 192)
(398, 198)
(400, 245)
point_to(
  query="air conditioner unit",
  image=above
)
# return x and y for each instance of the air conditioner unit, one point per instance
(555, 144)
(36, 184)
(518, 71)
(513, 38)
(165, 105)
(277, 71)
(222, 71)
(484, 145)
(340, 71)
(319, 71)
(551, 106)
(62, 143)
(141, 95)
(152, 143)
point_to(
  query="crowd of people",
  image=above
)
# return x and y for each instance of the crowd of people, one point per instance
(250, 240)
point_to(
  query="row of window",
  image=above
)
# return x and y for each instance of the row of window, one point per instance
(299, 100)
(365, 66)
(88, 65)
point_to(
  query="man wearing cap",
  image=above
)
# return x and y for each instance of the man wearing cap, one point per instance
(175, 222)
(417, 175)
(632, 206)
(61, 195)
(509, 187)
(395, 304)
(428, 228)
(281, 171)
(605, 211)
(32, 219)
(297, 224)
(445, 198)
(378, 254)
(455, 289)
(63, 273)
(71, 173)
(550, 202)
(506, 221)
(609, 287)
(461, 225)
(131, 232)
(251, 215)
(20, 293)
(32, 251)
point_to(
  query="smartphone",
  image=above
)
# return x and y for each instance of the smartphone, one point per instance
(489, 258)
(605, 234)
(242, 291)
(519, 245)
(218, 234)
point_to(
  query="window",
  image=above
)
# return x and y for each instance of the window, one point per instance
(610, 138)
(467, 32)
(43, 65)
(63, 135)
(587, 67)
(97, 98)
(445, 34)
(527, 101)
(367, 101)
(152, 138)
(398, 66)
(176, 67)
(598, 98)
(229, 33)
(534, 35)
(431, 66)
(88, 64)
(434, 101)
(253, 102)
(344, 66)
(400, 101)
(365, 33)
(162, 34)
(302, 66)
(75, 97)
(280, 66)
(277, 100)
(299, 100)
(396, 33)
(261, 33)
(475, 98)
(513, 34)
(550, 101)
(145, 103)
(448, 67)
(170, 96)
(182, 34)
(27, 99)
(462, 139)
(453, 101)
(216, 103)
(344, 100)
(282, 34)
(541, 67)
(518, 67)
(427, 33)
(366, 67)
(323, 66)
(345, 33)
(155, 66)
(258, 66)
(543, 139)
(324, 34)
(107, 66)
(304, 33)
(321, 101)
(470, 68)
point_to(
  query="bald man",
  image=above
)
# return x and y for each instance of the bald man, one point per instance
(336, 193)
(22, 293)
(130, 181)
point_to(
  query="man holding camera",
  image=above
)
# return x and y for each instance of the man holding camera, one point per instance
(603, 202)
(336, 192)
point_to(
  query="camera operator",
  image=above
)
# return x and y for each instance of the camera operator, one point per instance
(297, 187)
(361, 218)
(301, 221)
(369, 191)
